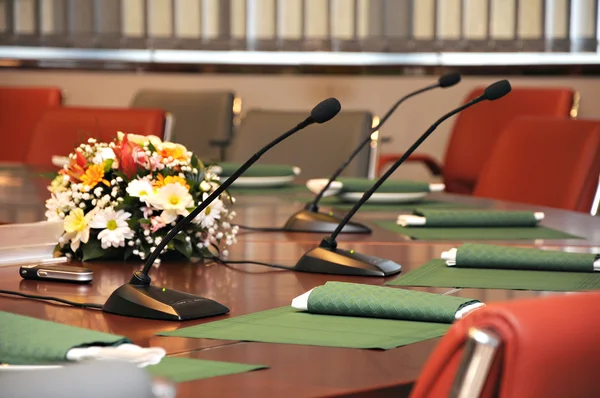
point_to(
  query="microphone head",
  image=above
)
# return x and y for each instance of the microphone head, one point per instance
(325, 110)
(449, 80)
(497, 90)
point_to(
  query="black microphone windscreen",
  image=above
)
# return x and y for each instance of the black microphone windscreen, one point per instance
(497, 90)
(325, 110)
(449, 79)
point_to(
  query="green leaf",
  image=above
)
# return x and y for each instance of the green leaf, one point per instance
(108, 165)
(184, 248)
(128, 253)
(151, 147)
(144, 221)
(92, 250)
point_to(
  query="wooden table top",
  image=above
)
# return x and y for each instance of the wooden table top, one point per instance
(294, 370)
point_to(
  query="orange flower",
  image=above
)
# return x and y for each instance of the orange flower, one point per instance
(175, 151)
(162, 181)
(93, 176)
(76, 167)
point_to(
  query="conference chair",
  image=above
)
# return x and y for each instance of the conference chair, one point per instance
(545, 161)
(60, 130)
(204, 119)
(318, 150)
(20, 110)
(534, 348)
(477, 129)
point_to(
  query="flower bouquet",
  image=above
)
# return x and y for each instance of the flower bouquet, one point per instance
(120, 199)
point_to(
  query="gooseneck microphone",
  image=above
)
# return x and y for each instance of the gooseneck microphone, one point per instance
(328, 259)
(139, 299)
(310, 219)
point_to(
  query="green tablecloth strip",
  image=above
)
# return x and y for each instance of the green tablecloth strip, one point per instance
(337, 203)
(476, 233)
(286, 325)
(284, 189)
(30, 341)
(476, 218)
(179, 370)
(472, 255)
(258, 170)
(389, 186)
(354, 299)
(437, 274)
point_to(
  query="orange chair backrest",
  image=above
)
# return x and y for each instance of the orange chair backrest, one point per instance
(477, 129)
(20, 110)
(549, 348)
(552, 162)
(61, 130)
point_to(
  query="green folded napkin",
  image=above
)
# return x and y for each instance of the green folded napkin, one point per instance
(476, 218)
(258, 170)
(437, 274)
(353, 299)
(26, 341)
(338, 203)
(389, 186)
(472, 255)
(180, 369)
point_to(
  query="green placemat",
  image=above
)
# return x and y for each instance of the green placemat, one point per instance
(180, 370)
(258, 170)
(437, 274)
(476, 218)
(286, 189)
(355, 299)
(473, 255)
(476, 233)
(30, 341)
(337, 203)
(389, 186)
(289, 326)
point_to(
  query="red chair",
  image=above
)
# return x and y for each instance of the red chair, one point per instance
(552, 162)
(544, 347)
(477, 129)
(20, 110)
(61, 130)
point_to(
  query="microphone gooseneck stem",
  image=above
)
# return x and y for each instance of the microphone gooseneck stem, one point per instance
(330, 241)
(142, 277)
(313, 206)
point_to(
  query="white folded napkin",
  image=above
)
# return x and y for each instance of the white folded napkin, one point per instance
(409, 220)
(132, 353)
(301, 303)
(450, 257)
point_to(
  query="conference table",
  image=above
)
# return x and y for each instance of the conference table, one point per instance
(293, 370)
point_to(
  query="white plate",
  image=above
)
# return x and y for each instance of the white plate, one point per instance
(378, 197)
(316, 184)
(261, 182)
(60, 161)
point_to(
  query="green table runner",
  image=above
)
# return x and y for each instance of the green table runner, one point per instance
(25, 340)
(476, 233)
(476, 218)
(179, 370)
(354, 299)
(286, 325)
(472, 255)
(284, 189)
(337, 203)
(258, 170)
(437, 274)
(389, 186)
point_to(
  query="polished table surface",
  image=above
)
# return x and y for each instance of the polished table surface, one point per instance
(294, 370)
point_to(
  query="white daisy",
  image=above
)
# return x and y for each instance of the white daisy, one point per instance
(77, 227)
(208, 216)
(139, 188)
(114, 227)
(173, 199)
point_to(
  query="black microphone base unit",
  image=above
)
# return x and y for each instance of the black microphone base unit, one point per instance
(324, 260)
(153, 302)
(312, 221)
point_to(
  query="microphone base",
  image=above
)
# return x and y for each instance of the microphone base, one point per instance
(324, 260)
(314, 221)
(159, 303)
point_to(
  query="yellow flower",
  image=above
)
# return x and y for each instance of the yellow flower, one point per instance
(94, 175)
(175, 151)
(162, 181)
(77, 228)
(140, 139)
